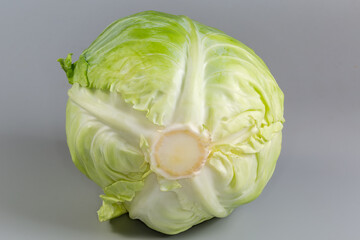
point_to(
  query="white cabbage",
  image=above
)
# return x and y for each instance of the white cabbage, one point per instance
(176, 121)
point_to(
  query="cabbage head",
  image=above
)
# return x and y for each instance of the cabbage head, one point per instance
(176, 121)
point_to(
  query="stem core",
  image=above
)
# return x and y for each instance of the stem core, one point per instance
(178, 153)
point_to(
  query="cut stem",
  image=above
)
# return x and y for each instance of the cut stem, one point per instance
(178, 153)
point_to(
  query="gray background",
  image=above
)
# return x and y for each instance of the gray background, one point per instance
(311, 47)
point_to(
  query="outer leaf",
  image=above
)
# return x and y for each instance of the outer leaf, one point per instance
(98, 147)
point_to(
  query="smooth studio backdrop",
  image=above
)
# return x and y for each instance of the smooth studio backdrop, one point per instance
(311, 47)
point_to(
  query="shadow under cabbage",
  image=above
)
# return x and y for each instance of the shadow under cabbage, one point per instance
(135, 228)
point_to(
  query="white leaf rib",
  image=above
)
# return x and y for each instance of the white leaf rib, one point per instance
(130, 124)
(190, 106)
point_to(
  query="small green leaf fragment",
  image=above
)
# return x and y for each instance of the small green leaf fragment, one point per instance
(68, 67)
